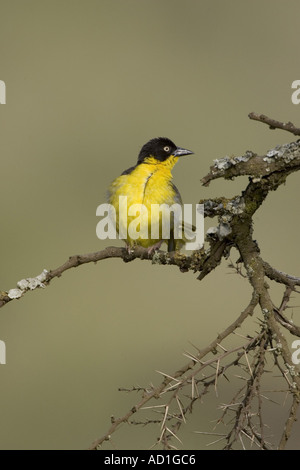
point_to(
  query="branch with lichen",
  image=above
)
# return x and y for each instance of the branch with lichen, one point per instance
(266, 173)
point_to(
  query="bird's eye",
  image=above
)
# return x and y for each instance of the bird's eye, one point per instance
(167, 149)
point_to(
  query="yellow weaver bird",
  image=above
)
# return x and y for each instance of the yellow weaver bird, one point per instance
(148, 182)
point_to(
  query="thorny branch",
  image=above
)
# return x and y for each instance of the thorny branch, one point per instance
(180, 391)
(171, 380)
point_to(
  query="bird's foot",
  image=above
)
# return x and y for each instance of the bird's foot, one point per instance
(154, 247)
(129, 248)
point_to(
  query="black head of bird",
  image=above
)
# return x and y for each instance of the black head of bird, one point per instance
(161, 148)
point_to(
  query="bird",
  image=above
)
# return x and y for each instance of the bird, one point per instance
(146, 183)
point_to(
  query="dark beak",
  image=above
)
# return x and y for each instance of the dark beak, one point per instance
(179, 152)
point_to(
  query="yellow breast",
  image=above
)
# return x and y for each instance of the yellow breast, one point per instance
(148, 183)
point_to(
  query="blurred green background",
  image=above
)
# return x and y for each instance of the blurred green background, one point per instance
(88, 83)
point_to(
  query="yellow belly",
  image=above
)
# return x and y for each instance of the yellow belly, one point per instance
(149, 183)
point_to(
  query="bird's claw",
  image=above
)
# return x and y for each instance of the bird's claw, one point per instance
(154, 247)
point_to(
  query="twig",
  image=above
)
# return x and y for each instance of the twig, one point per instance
(290, 422)
(280, 277)
(273, 124)
(184, 263)
(280, 317)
